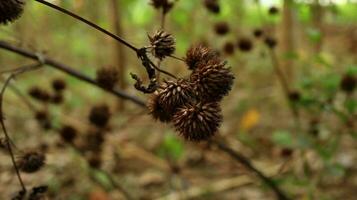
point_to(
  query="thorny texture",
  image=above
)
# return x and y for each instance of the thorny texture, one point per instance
(198, 121)
(173, 94)
(162, 44)
(198, 54)
(31, 161)
(107, 77)
(156, 108)
(212, 81)
(10, 10)
(166, 5)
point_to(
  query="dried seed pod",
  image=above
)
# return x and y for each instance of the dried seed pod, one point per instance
(257, 33)
(166, 5)
(58, 85)
(228, 48)
(198, 121)
(57, 98)
(270, 42)
(212, 81)
(174, 94)
(245, 44)
(38, 193)
(273, 10)
(162, 43)
(68, 133)
(31, 161)
(348, 83)
(10, 10)
(107, 77)
(39, 94)
(221, 28)
(41, 115)
(212, 6)
(156, 108)
(99, 115)
(198, 54)
(94, 160)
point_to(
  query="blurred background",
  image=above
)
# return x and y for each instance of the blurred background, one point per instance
(305, 139)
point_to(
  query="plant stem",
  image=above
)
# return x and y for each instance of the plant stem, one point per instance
(244, 161)
(67, 12)
(7, 137)
(69, 70)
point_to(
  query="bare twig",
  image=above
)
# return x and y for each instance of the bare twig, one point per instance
(69, 70)
(67, 12)
(7, 137)
(244, 161)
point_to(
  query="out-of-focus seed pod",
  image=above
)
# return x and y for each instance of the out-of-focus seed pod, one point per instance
(10, 10)
(100, 115)
(212, 6)
(348, 83)
(270, 42)
(107, 77)
(68, 133)
(221, 28)
(31, 161)
(228, 48)
(245, 44)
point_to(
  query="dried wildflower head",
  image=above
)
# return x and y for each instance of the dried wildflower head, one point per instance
(156, 108)
(162, 43)
(99, 115)
(175, 93)
(212, 6)
(198, 121)
(228, 48)
(166, 5)
(39, 94)
(212, 81)
(10, 10)
(38, 193)
(273, 10)
(31, 161)
(221, 28)
(68, 133)
(107, 77)
(57, 98)
(198, 54)
(245, 44)
(270, 42)
(348, 83)
(257, 33)
(58, 85)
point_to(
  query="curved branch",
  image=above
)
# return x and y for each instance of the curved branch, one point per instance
(70, 71)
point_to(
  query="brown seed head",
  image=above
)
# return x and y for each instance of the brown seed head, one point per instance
(162, 43)
(212, 81)
(212, 6)
(156, 108)
(348, 83)
(245, 44)
(166, 5)
(273, 10)
(68, 133)
(258, 33)
(198, 121)
(270, 42)
(107, 77)
(228, 48)
(39, 94)
(10, 10)
(198, 54)
(294, 96)
(221, 28)
(100, 115)
(57, 98)
(31, 161)
(58, 85)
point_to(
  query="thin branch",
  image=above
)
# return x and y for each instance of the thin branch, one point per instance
(244, 161)
(69, 70)
(67, 12)
(7, 137)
